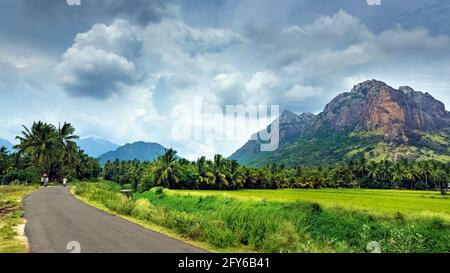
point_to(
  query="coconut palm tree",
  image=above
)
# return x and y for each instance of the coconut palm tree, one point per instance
(398, 174)
(203, 177)
(219, 169)
(40, 142)
(236, 176)
(66, 136)
(425, 169)
(166, 172)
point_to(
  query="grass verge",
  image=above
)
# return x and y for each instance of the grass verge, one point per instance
(12, 239)
(157, 228)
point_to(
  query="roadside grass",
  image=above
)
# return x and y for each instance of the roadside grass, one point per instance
(11, 218)
(81, 195)
(266, 225)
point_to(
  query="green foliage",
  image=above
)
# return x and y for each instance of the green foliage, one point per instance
(224, 174)
(275, 226)
(27, 176)
(45, 148)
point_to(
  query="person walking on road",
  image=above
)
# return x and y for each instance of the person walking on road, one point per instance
(44, 180)
(65, 181)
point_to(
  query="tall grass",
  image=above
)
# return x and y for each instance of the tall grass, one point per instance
(274, 226)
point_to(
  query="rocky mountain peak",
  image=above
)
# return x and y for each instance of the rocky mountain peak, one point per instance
(287, 116)
(403, 117)
(367, 86)
(407, 90)
(375, 105)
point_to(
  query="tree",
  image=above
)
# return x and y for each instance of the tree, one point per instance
(53, 151)
(219, 169)
(40, 143)
(203, 177)
(167, 169)
(4, 158)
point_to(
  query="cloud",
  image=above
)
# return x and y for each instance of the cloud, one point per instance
(300, 93)
(101, 61)
(132, 62)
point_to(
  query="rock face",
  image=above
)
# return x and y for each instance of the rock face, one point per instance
(401, 115)
(375, 105)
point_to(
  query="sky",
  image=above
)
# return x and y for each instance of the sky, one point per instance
(124, 70)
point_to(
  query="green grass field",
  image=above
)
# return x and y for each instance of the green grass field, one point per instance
(379, 202)
(288, 220)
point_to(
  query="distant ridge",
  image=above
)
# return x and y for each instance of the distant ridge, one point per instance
(7, 144)
(96, 146)
(142, 151)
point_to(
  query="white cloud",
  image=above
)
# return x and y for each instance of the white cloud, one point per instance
(300, 93)
(101, 61)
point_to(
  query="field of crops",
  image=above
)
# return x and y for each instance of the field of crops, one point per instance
(288, 220)
(379, 202)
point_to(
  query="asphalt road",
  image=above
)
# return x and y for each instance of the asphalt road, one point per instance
(59, 223)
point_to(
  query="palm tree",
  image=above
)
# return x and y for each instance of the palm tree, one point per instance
(373, 170)
(167, 169)
(361, 169)
(219, 169)
(40, 143)
(236, 176)
(3, 151)
(66, 136)
(425, 169)
(398, 173)
(203, 176)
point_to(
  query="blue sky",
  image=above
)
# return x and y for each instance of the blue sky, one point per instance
(117, 68)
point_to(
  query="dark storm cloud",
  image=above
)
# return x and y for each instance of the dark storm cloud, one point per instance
(140, 11)
(430, 14)
(51, 25)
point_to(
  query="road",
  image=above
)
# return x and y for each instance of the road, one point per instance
(57, 222)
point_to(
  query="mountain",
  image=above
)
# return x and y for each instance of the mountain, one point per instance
(291, 126)
(143, 151)
(7, 144)
(374, 121)
(96, 146)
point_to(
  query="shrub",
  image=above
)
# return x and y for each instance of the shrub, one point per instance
(27, 176)
(142, 209)
(220, 236)
(285, 240)
(159, 190)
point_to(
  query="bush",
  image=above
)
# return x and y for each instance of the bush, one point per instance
(285, 240)
(28, 176)
(142, 209)
(159, 190)
(220, 236)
